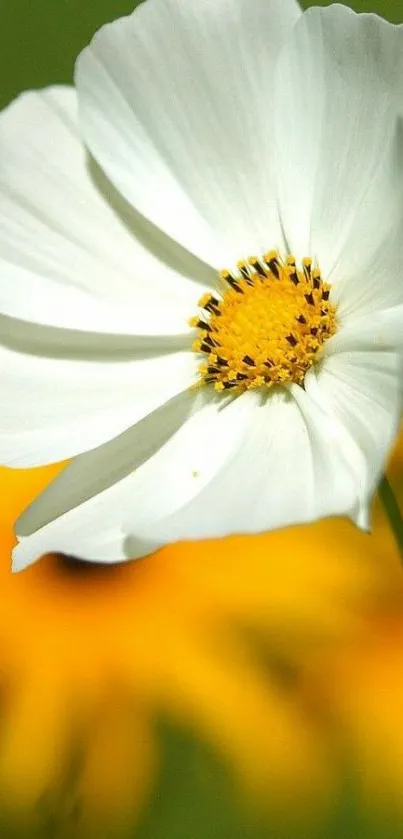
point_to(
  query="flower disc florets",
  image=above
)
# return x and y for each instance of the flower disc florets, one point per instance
(266, 326)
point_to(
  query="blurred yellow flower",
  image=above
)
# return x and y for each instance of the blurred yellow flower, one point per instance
(103, 649)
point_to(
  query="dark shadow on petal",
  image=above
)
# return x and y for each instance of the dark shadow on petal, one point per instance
(154, 240)
(73, 566)
(141, 549)
(54, 342)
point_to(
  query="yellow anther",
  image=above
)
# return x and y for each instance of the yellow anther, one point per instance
(257, 382)
(194, 321)
(270, 255)
(204, 300)
(244, 270)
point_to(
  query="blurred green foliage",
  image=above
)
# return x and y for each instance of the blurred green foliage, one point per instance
(195, 798)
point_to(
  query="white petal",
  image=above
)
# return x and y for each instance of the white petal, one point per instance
(337, 87)
(71, 250)
(286, 469)
(150, 470)
(381, 330)
(362, 391)
(367, 276)
(63, 398)
(176, 105)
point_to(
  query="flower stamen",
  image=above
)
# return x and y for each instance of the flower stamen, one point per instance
(266, 327)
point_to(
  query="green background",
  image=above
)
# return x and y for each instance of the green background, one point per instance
(39, 41)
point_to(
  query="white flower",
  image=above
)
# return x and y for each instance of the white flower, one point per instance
(226, 130)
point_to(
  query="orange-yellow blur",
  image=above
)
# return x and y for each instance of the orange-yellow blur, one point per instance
(275, 649)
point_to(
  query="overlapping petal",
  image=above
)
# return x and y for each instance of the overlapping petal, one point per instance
(288, 467)
(176, 105)
(89, 310)
(363, 392)
(336, 103)
(154, 468)
(65, 392)
(380, 331)
(72, 254)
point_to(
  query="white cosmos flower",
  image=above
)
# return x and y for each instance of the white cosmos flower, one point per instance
(221, 130)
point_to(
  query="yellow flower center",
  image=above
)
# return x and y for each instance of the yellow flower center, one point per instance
(266, 324)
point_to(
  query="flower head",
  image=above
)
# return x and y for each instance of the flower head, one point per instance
(206, 314)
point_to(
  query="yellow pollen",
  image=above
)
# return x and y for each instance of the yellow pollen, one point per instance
(265, 326)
